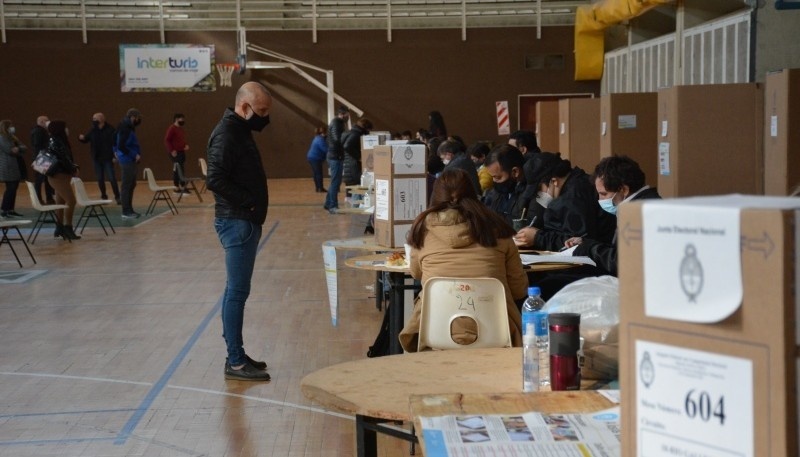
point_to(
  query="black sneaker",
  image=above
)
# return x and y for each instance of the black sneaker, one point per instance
(255, 363)
(246, 373)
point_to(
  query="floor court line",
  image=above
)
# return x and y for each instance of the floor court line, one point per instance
(144, 406)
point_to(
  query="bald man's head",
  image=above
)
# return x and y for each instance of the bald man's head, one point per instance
(253, 99)
(42, 121)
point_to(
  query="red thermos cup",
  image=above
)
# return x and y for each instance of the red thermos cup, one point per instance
(565, 374)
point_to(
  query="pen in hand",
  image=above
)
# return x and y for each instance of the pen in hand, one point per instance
(568, 247)
(532, 221)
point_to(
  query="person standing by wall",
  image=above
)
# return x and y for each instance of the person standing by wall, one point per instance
(316, 156)
(60, 177)
(101, 147)
(11, 150)
(336, 130)
(175, 141)
(236, 177)
(128, 152)
(39, 140)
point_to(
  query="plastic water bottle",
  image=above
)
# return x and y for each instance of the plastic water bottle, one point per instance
(531, 356)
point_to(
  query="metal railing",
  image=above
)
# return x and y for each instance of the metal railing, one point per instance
(281, 15)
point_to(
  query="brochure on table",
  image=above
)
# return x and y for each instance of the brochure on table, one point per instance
(530, 434)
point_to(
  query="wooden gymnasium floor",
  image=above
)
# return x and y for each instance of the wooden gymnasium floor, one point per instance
(115, 349)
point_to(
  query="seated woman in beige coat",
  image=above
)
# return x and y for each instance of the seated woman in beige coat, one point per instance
(458, 236)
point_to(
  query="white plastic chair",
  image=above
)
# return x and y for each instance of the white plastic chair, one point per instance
(47, 213)
(480, 299)
(204, 171)
(91, 208)
(5, 227)
(159, 193)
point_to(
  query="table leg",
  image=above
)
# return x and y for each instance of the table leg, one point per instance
(396, 311)
(366, 439)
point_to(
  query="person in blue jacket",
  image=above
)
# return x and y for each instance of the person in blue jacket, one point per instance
(316, 155)
(128, 152)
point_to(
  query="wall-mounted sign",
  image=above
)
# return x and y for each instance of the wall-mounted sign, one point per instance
(166, 68)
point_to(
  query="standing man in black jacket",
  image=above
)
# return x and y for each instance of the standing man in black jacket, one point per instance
(101, 145)
(237, 178)
(335, 157)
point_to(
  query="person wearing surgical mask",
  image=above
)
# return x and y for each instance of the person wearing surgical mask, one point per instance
(237, 178)
(454, 155)
(618, 179)
(507, 195)
(128, 153)
(571, 208)
(11, 167)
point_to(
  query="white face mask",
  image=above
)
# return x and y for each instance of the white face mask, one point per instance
(445, 161)
(12, 130)
(543, 198)
(66, 132)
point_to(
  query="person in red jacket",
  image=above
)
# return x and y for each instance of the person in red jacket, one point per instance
(175, 142)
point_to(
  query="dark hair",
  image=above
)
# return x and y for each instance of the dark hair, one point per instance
(424, 134)
(342, 109)
(478, 150)
(527, 139)
(453, 190)
(58, 129)
(616, 171)
(436, 126)
(507, 156)
(539, 168)
(364, 123)
(434, 164)
(433, 145)
(450, 146)
(177, 116)
(321, 130)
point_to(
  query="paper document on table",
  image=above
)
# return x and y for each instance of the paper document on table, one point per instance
(530, 434)
(558, 257)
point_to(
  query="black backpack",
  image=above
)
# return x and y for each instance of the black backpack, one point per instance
(380, 347)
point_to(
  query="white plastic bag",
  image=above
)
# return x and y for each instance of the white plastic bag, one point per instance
(596, 299)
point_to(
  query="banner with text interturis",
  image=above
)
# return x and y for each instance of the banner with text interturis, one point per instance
(167, 68)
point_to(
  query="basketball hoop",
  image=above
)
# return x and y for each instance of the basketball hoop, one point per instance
(225, 71)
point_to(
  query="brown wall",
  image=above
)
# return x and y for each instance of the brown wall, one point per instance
(396, 84)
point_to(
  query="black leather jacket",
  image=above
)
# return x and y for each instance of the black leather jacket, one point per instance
(235, 171)
(335, 144)
(63, 153)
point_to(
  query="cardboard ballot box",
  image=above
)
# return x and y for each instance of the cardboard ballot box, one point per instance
(368, 143)
(708, 326)
(400, 191)
(781, 135)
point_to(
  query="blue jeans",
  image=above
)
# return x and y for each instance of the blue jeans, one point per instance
(240, 240)
(104, 170)
(332, 199)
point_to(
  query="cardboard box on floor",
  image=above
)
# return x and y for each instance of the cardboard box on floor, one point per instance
(547, 125)
(711, 140)
(400, 191)
(704, 371)
(781, 135)
(579, 122)
(628, 127)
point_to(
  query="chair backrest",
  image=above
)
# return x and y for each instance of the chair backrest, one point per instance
(445, 300)
(80, 191)
(151, 180)
(203, 166)
(37, 205)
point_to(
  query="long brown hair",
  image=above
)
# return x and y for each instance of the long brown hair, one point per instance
(453, 190)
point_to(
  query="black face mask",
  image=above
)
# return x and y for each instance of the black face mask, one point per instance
(181, 123)
(506, 187)
(136, 122)
(257, 122)
(96, 124)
